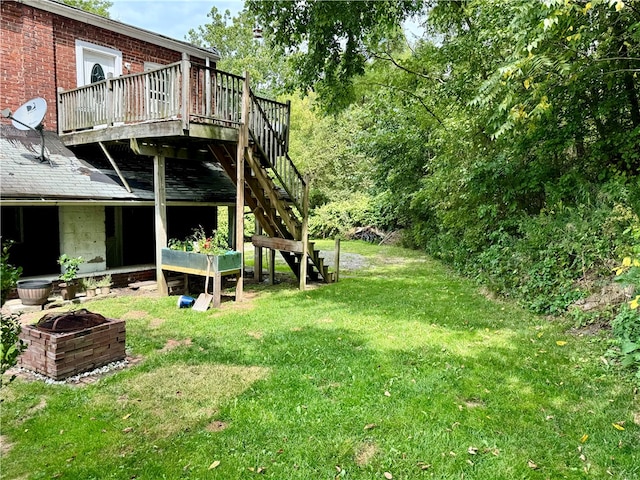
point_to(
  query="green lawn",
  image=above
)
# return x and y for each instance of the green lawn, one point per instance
(402, 370)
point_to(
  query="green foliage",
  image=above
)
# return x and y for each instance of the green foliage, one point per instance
(70, 267)
(11, 346)
(505, 141)
(341, 216)
(240, 51)
(626, 328)
(99, 7)
(9, 274)
(200, 242)
(327, 41)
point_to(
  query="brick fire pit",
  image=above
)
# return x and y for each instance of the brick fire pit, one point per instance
(64, 345)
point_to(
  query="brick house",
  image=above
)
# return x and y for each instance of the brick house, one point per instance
(145, 139)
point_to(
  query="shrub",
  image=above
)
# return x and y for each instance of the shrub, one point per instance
(339, 217)
(11, 346)
(9, 274)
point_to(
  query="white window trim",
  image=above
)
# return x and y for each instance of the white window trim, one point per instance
(82, 46)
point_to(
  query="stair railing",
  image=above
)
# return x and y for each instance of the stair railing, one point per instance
(272, 140)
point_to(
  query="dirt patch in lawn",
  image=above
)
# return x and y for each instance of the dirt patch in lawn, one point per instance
(172, 344)
(216, 426)
(365, 453)
(5, 445)
(134, 315)
(176, 397)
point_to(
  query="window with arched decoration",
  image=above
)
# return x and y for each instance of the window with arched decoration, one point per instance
(97, 73)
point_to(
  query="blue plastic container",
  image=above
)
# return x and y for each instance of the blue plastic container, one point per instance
(184, 301)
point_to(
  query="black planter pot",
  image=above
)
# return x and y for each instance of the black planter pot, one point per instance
(34, 292)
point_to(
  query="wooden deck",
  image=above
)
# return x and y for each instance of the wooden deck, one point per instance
(187, 110)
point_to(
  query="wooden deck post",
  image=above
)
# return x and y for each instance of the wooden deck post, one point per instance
(243, 144)
(257, 256)
(160, 207)
(272, 266)
(337, 259)
(305, 237)
(186, 78)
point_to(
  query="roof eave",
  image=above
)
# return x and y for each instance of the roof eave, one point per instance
(119, 27)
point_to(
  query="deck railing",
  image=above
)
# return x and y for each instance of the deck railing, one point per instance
(182, 90)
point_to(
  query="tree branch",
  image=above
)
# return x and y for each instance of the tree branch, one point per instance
(411, 94)
(389, 58)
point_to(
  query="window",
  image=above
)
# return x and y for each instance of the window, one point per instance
(97, 73)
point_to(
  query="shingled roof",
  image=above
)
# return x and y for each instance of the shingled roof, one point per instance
(87, 175)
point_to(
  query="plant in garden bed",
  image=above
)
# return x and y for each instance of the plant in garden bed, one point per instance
(200, 242)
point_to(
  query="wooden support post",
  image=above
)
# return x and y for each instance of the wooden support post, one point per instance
(231, 226)
(217, 289)
(257, 256)
(243, 144)
(160, 207)
(185, 66)
(305, 237)
(336, 256)
(272, 266)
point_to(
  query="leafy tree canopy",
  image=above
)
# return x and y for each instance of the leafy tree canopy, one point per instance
(328, 41)
(99, 7)
(241, 49)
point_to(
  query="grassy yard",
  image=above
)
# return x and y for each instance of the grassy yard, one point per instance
(401, 370)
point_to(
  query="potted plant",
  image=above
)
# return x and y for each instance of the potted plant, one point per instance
(90, 285)
(70, 267)
(104, 284)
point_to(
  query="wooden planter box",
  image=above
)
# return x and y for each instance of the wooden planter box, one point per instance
(196, 263)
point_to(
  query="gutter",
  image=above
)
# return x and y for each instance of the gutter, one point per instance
(44, 202)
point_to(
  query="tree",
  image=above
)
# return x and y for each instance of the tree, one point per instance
(99, 7)
(241, 50)
(327, 42)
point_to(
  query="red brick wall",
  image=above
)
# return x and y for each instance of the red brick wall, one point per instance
(38, 54)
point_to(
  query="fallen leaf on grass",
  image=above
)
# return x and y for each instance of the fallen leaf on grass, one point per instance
(618, 426)
(127, 430)
(214, 465)
(424, 466)
(472, 451)
(126, 416)
(260, 470)
(561, 343)
(370, 426)
(386, 393)
(584, 438)
(532, 465)
(388, 475)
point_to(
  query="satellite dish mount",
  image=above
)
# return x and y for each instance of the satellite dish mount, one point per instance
(29, 117)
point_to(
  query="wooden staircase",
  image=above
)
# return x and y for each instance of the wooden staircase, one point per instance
(274, 190)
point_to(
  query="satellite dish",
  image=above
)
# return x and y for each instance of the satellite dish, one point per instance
(30, 115)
